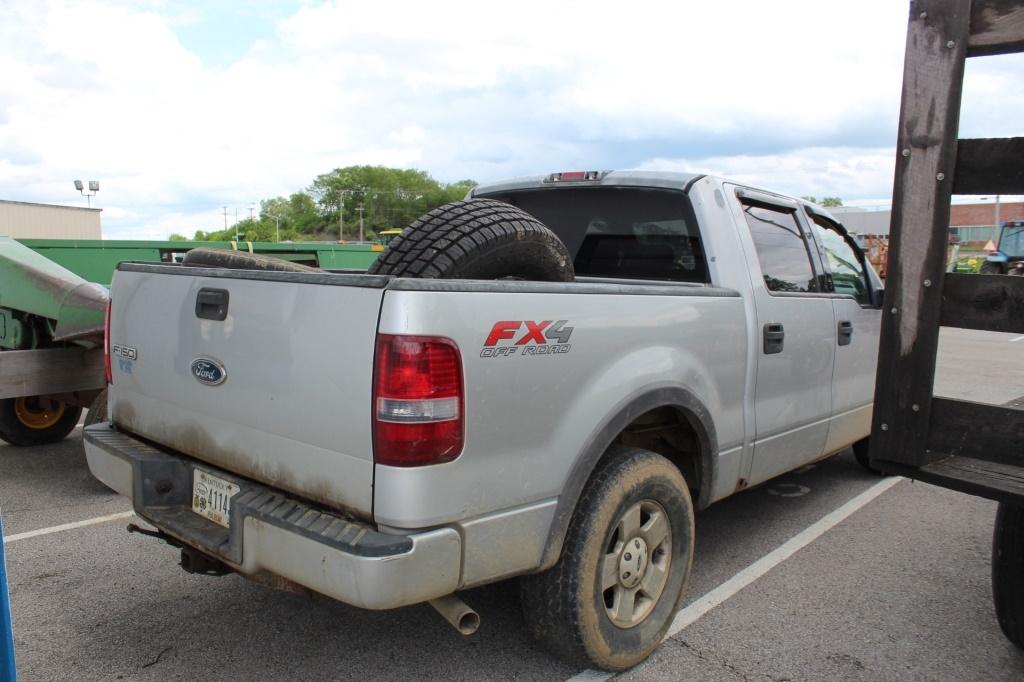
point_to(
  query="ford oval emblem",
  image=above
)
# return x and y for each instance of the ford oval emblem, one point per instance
(208, 372)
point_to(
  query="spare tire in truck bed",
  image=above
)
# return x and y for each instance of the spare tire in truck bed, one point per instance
(477, 239)
(241, 260)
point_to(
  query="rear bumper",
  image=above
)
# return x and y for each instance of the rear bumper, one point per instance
(269, 531)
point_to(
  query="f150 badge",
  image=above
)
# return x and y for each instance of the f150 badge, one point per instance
(526, 337)
(208, 372)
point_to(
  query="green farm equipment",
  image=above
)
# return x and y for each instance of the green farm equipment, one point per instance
(51, 338)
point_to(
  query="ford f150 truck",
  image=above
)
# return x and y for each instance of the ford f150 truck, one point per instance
(390, 439)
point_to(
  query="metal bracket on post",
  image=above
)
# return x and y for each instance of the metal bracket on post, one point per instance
(7, 670)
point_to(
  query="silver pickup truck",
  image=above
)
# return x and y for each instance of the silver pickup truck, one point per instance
(390, 440)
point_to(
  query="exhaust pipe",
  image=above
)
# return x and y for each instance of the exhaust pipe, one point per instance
(458, 613)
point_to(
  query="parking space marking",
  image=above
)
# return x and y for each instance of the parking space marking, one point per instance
(67, 526)
(1019, 338)
(700, 607)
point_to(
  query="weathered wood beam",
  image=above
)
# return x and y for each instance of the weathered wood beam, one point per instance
(992, 303)
(925, 163)
(997, 27)
(990, 166)
(989, 433)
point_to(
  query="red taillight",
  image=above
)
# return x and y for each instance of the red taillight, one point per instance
(106, 345)
(417, 401)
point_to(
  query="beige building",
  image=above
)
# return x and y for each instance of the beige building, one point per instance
(21, 219)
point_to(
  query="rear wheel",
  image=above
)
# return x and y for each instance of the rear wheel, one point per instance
(1008, 570)
(477, 239)
(36, 420)
(97, 409)
(624, 566)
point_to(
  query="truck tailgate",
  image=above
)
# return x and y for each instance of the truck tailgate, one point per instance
(292, 409)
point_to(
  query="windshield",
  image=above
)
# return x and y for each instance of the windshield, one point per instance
(1012, 243)
(620, 232)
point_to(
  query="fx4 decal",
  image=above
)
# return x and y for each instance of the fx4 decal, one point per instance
(526, 337)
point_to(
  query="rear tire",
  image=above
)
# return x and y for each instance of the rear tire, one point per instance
(477, 239)
(624, 566)
(36, 420)
(97, 409)
(241, 260)
(1008, 570)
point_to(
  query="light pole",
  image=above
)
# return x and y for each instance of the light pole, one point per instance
(360, 209)
(94, 186)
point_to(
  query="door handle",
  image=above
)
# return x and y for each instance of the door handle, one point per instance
(845, 333)
(774, 338)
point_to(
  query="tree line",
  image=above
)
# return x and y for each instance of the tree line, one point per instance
(333, 206)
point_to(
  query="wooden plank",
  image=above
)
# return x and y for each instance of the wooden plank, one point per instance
(925, 161)
(50, 370)
(997, 27)
(990, 433)
(971, 476)
(990, 166)
(992, 303)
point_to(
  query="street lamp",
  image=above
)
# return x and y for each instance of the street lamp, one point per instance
(94, 186)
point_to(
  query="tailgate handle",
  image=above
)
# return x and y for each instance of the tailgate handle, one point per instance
(774, 338)
(212, 304)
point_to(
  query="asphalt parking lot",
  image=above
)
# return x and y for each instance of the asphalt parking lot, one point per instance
(826, 573)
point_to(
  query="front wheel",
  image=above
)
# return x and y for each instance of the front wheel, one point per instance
(36, 420)
(624, 566)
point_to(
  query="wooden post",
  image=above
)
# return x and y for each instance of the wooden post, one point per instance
(925, 167)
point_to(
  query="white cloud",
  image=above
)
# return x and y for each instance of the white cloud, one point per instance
(816, 171)
(468, 89)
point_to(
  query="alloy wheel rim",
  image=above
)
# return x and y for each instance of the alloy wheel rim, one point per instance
(636, 563)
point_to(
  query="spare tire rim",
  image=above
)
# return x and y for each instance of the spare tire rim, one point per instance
(38, 413)
(636, 563)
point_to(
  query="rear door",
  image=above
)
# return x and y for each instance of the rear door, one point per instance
(267, 375)
(857, 322)
(793, 390)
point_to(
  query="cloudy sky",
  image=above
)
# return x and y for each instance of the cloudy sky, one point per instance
(181, 107)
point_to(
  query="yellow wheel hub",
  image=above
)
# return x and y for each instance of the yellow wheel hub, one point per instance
(38, 413)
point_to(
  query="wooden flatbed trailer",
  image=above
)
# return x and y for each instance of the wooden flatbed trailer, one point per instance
(972, 447)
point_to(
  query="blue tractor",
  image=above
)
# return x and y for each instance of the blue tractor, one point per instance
(1008, 258)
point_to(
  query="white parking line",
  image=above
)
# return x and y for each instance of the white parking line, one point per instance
(1019, 338)
(698, 608)
(66, 526)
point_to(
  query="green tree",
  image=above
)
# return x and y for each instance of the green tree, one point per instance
(831, 202)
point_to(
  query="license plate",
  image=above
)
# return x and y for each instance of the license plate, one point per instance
(211, 497)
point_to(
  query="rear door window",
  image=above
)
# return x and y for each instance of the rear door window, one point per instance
(621, 232)
(781, 248)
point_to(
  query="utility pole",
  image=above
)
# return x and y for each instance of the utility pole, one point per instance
(236, 223)
(360, 209)
(341, 216)
(225, 218)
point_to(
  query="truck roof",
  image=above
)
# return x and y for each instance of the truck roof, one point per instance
(668, 179)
